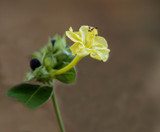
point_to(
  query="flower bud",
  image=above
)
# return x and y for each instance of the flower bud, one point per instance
(35, 63)
(37, 55)
(50, 62)
(53, 42)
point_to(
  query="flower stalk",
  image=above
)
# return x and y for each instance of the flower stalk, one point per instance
(69, 66)
(60, 122)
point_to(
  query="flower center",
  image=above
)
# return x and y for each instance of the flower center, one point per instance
(92, 33)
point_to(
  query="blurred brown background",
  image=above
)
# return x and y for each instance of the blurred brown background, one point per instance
(121, 95)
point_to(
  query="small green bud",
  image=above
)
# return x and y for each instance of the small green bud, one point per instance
(42, 75)
(50, 62)
(29, 76)
(59, 44)
(37, 55)
(44, 50)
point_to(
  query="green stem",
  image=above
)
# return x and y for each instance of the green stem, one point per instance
(57, 113)
(68, 67)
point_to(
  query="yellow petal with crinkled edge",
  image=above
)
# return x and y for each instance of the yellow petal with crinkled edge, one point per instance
(83, 52)
(100, 53)
(94, 54)
(84, 32)
(73, 36)
(76, 47)
(105, 57)
(100, 40)
(104, 54)
(79, 49)
(102, 50)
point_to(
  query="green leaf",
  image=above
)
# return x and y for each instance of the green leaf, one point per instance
(31, 95)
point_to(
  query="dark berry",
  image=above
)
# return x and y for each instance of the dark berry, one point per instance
(35, 63)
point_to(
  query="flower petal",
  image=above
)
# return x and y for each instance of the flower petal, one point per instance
(73, 36)
(84, 32)
(83, 52)
(100, 40)
(105, 58)
(76, 47)
(71, 29)
(100, 53)
(104, 53)
(94, 54)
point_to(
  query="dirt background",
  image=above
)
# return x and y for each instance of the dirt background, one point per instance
(121, 95)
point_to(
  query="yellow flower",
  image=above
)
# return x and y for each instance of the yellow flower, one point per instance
(88, 42)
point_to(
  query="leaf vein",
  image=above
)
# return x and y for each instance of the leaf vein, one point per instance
(32, 95)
